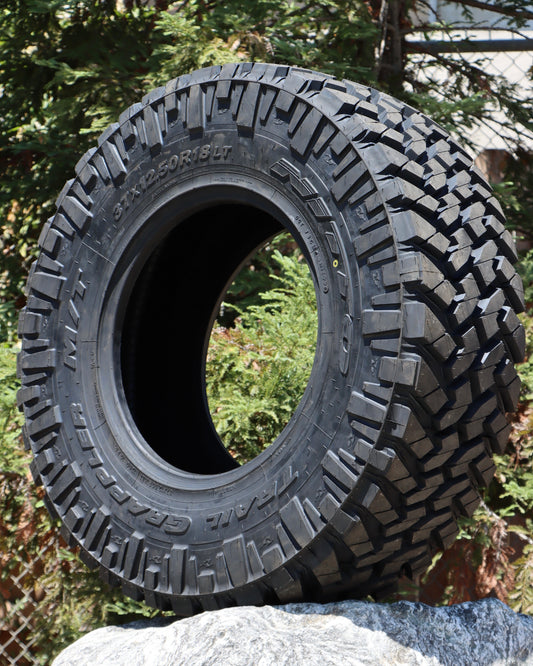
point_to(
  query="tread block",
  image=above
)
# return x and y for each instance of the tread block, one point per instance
(114, 162)
(366, 409)
(67, 480)
(285, 101)
(510, 394)
(483, 470)
(493, 356)
(195, 109)
(266, 104)
(378, 391)
(176, 568)
(50, 241)
(48, 265)
(76, 213)
(98, 530)
(349, 181)
(44, 462)
(372, 240)
(420, 323)
(306, 133)
(516, 294)
(381, 322)
(247, 108)
(30, 323)
(254, 559)
(73, 519)
(295, 521)
(134, 546)
(28, 395)
(47, 284)
(38, 361)
(49, 420)
(152, 130)
(342, 474)
(399, 370)
(272, 558)
(235, 556)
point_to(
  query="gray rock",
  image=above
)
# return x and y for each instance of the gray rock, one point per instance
(353, 633)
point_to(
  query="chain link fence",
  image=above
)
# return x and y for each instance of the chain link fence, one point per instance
(20, 593)
(506, 55)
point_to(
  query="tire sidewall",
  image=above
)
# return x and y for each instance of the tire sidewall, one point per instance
(281, 501)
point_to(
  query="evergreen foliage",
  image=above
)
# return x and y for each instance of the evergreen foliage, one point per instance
(258, 369)
(67, 69)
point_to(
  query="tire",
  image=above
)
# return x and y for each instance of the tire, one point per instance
(417, 299)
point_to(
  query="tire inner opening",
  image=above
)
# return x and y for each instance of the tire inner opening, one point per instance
(167, 334)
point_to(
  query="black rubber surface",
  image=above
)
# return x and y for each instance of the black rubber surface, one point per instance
(417, 299)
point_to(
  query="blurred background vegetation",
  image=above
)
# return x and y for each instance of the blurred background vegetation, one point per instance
(67, 69)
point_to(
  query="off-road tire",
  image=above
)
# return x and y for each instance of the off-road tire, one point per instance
(417, 299)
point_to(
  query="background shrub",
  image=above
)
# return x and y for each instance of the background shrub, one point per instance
(68, 69)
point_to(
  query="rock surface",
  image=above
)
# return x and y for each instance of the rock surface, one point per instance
(353, 633)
